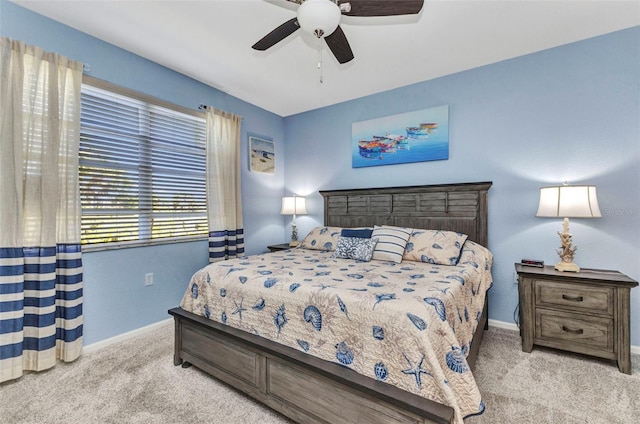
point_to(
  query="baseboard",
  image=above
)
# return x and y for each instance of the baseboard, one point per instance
(511, 326)
(125, 336)
(502, 324)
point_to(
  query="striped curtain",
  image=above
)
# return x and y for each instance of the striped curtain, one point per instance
(40, 263)
(224, 200)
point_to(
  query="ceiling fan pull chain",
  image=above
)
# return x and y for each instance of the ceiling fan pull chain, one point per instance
(320, 58)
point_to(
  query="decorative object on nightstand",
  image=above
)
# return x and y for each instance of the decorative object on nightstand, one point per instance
(586, 312)
(293, 206)
(568, 201)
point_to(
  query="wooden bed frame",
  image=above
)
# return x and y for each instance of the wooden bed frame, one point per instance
(308, 389)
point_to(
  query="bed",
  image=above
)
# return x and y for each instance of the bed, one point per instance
(314, 379)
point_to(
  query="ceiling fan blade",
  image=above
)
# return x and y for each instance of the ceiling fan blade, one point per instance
(383, 8)
(339, 45)
(277, 35)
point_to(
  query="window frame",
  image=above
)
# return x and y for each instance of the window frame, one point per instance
(120, 90)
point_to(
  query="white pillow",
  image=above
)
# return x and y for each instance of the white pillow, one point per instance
(434, 246)
(391, 242)
(322, 238)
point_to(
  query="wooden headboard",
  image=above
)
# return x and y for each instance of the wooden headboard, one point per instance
(454, 207)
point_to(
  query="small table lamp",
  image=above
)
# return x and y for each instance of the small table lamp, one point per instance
(566, 202)
(293, 206)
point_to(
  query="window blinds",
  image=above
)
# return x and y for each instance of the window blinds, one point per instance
(142, 170)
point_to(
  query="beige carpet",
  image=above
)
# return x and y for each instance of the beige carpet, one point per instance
(548, 386)
(135, 382)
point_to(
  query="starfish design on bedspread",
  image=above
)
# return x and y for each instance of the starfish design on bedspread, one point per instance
(239, 308)
(415, 369)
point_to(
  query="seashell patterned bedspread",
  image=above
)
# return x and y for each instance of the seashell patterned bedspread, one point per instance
(407, 324)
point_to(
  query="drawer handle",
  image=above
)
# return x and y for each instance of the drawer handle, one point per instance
(572, 298)
(569, 330)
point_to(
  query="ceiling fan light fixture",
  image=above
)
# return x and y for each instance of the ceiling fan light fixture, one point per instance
(319, 17)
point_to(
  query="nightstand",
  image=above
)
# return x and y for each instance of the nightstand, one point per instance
(278, 247)
(585, 312)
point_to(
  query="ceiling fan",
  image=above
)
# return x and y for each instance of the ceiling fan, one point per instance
(322, 19)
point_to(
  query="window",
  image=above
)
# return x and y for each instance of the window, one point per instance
(142, 169)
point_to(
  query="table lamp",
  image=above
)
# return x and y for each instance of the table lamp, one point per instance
(568, 201)
(293, 206)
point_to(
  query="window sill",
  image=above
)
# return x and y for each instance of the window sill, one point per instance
(98, 247)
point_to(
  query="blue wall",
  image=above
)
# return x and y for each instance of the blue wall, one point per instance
(116, 300)
(570, 113)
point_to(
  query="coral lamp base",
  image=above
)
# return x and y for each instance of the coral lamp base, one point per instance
(567, 266)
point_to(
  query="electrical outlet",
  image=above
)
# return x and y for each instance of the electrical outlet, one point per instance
(148, 279)
(515, 277)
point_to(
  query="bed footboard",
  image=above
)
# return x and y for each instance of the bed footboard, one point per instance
(302, 387)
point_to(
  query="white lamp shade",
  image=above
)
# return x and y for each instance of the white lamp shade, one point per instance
(319, 15)
(293, 206)
(568, 202)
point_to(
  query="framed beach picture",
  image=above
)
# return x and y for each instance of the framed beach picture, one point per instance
(262, 155)
(418, 136)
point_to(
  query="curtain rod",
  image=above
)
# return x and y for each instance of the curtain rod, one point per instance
(202, 106)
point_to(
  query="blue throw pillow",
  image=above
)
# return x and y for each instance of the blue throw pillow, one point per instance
(356, 248)
(359, 233)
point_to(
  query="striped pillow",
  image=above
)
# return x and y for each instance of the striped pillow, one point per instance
(391, 242)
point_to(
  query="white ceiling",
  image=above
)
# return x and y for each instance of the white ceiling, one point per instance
(210, 41)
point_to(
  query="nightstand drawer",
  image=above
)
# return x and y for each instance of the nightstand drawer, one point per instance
(578, 333)
(574, 296)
